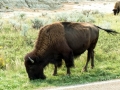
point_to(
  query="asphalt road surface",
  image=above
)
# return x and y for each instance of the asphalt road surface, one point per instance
(104, 85)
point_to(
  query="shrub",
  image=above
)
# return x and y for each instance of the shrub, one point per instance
(106, 24)
(7, 7)
(2, 61)
(15, 25)
(37, 23)
(22, 16)
(25, 28)
(95, 12)
(75, 16)
(61, 16)
(1, 24)
(81, 16)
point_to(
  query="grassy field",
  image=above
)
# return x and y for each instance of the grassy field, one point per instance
(15, 43)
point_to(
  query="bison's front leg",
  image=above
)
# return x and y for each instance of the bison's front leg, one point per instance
(92, 59)
(55, 70)
(67, 54)
(57, 64)
(68, 57)
(68, 71)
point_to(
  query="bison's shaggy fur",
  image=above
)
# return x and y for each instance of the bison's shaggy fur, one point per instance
(116, 9)
(62, 40)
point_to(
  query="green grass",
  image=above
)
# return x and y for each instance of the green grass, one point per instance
(13, 47)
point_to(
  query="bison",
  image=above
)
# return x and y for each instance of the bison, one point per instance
(62, 40)
(116, 8)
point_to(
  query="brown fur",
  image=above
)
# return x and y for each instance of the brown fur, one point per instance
(48, 36)
(63, 40)
(116, 8)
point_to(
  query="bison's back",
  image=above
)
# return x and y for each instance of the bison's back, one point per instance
(80, 36)
(117, 5)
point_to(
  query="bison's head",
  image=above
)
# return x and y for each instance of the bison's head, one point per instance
(34, 67)
(115, 11)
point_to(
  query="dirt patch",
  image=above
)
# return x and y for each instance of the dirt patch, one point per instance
(105, 7)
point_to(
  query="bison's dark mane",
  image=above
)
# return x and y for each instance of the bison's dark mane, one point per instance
(48, 37)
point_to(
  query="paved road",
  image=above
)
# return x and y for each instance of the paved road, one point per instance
(105, 85)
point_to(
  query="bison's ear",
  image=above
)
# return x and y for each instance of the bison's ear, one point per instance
(32, 61)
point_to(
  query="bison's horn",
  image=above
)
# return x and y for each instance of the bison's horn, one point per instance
(31, 60)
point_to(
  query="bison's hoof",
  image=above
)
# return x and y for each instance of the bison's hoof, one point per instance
(68, 73)
(92, 67)
(84, 70)
(54, 74)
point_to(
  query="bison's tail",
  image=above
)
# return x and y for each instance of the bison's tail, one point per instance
(108, 30)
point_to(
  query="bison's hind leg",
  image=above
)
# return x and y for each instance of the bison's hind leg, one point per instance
(88, 59)
(90, 55)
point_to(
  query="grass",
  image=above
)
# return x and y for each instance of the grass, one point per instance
(14, 45)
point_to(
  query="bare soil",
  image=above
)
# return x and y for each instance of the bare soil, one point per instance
(105, 7)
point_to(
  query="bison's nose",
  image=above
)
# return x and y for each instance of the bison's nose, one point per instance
(31, 78)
